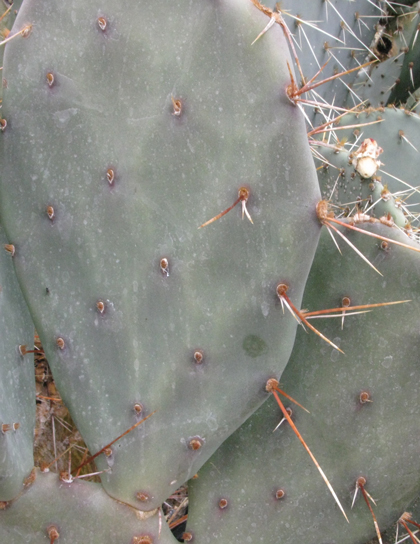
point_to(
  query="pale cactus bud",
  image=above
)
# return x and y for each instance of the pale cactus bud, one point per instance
(365, 159)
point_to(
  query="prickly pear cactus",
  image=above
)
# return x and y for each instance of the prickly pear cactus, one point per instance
(391, 43)
(390, 188)
(329, 34)
(362, 423)
(409, 79)
(124, 136)
(159, 199)
(80, 512)
(17, 391)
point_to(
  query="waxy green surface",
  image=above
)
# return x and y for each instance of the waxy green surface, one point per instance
(89, 96)
(377, 439)
(17, 383)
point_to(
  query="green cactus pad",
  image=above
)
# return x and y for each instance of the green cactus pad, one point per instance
(336, 32)
(397, 132)
(77, 513)
(393, 33)
(409, 79)
(364, 416)
(126, 131)
(17, 383)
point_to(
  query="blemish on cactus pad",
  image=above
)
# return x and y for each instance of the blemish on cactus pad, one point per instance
(254, 346)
